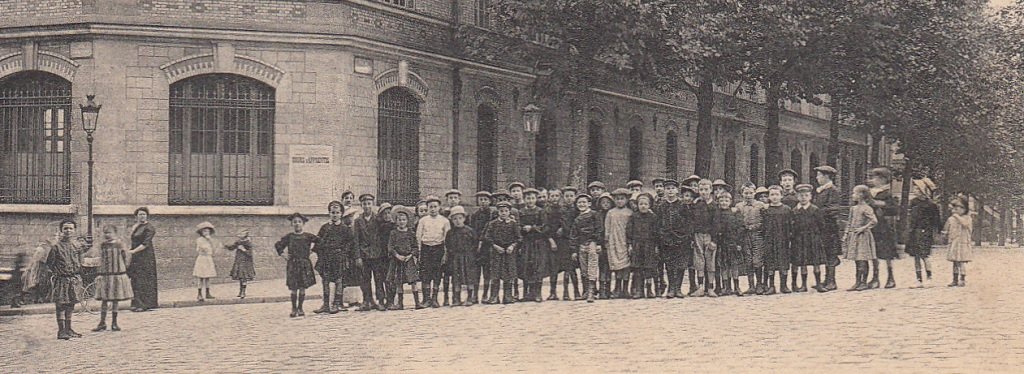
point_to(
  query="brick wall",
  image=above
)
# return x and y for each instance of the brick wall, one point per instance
(40, 8)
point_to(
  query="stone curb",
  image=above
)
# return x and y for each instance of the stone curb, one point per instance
(30, 310)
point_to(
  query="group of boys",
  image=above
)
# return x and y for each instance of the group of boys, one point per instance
(525, 235)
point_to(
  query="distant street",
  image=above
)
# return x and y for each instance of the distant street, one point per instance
(939, 329)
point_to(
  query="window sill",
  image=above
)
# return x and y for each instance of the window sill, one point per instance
(38, 209)
(207, 210)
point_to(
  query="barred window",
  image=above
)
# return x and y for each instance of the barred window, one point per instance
(35, 135)
(755, 164)
(636, 152)
(401, 3)
(398, 146)
(482, 14)
(671, 155)
(594, 151)
(730, 162)
(796, 162)
(486, 148)
(221, 141)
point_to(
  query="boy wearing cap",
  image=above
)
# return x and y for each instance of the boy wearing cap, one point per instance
(462, 245)
(334, 241)
(371, 255)
(886, 209)
(787, 179)
(829, 200)
(595, 189)
(673, 231)
(704, 249)
(535, 248)
(616, 246)
(515, 190)
(483, 215)
(808, 245)
(430, 234)
(566, 253)
(586, 235)
(659, 191)
(503, 234)
(752, 243)
(452, 198)
(693, 182)
(559, 244)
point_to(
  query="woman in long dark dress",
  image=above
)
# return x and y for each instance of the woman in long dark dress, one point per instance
(142, 269)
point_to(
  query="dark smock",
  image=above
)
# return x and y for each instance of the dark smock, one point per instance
(808, 244)
(924, 222)
(777, 225)
(461, 243)
(503, 234)
(885, 235)
(642, 235)
(830, 202)
(535, 248)
(299, 270)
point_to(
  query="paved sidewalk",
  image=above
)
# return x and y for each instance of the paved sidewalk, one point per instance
(265, 291)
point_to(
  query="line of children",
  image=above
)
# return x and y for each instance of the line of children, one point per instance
(630, 237)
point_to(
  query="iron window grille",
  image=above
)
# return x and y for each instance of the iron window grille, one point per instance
(35, 139)
(671, 155)
(398, 146)
(486, 148)
(221, 141)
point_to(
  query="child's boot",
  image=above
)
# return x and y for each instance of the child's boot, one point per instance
(818, 286)
(295, 309)
(242, 293)
(433, 297)
(471, 298)
(874, 276)
(891, 282)
(324, 308)
(590, 293)
(508, 296)
(830, 284)
(553, 295)
(113, 322)
(420, 301)
(575, 287)
(208, 296)
(963, 280)
(103, 321)
(199, 295)
(803, 283)
(457, 298)
(604, 292)
(565, 287)
(400, 302)
(446, 289)
(693, 281)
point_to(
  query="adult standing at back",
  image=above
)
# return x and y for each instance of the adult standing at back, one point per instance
(828, 198)
(142, 269)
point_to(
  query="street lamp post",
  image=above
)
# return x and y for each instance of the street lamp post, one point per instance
(90, 118)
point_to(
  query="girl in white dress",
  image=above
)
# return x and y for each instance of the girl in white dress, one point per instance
(958, 229)
(204, 268)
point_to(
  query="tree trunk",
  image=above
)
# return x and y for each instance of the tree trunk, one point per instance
(979, 221)
(772, 154)
(908, 179)
(832, 159)
(876, 143)
(456, 110)
(705, 128)
(573, 177)
(1003, 226)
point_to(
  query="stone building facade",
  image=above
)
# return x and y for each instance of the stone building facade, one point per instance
(241, 112)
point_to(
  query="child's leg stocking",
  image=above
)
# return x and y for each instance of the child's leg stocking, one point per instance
(927, 267)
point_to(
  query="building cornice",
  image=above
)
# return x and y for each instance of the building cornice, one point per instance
(206, 34)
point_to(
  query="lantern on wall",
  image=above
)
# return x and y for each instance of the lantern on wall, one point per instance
(531, 118)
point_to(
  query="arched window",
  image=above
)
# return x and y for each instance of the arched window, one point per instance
(755, 164)
(486, 148)
(796, 162)
(730, 162)
(671, 155)
(398, 146)
(35, 136)
(636, 152)
(221, 141)
(594, 150)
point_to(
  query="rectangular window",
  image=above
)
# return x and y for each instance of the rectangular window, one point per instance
(401, 3)
(482, 13)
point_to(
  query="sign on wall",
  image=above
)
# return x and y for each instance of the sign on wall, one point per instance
(311, 175)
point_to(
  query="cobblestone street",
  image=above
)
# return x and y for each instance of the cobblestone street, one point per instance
(937, 329)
